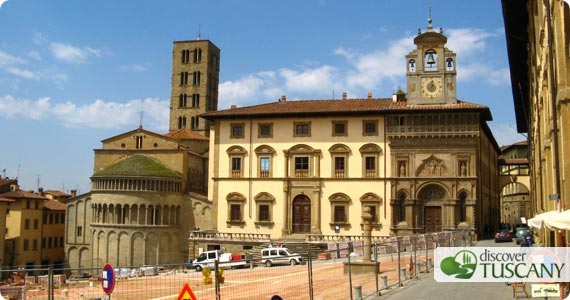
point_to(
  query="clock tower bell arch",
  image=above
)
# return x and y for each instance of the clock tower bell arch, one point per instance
(430, 72)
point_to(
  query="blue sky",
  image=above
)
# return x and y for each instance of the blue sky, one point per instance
(73, 73)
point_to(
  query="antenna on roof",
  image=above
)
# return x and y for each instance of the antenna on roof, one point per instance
(199, 35)
(333, 95)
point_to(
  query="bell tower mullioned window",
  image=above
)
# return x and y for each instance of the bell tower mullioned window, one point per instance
(431, 73)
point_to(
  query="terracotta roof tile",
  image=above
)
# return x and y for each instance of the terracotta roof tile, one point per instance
(20, 194)
(341, 107)
(57, 193)
(6, 200)
(185, 134)
(54, 205)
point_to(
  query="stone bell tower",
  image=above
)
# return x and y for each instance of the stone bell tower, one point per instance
(431, 72)
(194, 87)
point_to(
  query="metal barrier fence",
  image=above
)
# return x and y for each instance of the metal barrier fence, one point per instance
(338, 273)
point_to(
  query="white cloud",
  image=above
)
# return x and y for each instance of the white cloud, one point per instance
(310, 80)
(250, 89)
(468, 41)
(7, 59)
(99, 114)
(370, 69)
(72, 54)
(506, 134)
(22, 73)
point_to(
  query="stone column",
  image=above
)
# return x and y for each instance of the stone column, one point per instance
(366, 218)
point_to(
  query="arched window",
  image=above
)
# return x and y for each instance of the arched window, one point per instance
(339, 209)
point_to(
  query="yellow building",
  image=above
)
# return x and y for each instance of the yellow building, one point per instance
(5, 184)
(515, 194)
(538, 36)
(422, 161)
(23, 227)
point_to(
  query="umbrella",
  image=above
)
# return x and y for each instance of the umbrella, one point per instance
(539, 219)
(559, 221)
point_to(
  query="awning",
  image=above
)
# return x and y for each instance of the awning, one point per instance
(539, 219)
(559, 221)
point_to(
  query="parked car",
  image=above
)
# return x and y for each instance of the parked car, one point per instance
(279, 256)
(207, 259)
(504, 235)
(520, 234)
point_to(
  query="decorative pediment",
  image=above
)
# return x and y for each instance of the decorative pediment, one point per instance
(236, 150)
(339, 197)
(432, 167)
(265, 197)
(339, 148)
(302, 149)
(235, 197)
(370, 148)
(370, 197)
(264, 149)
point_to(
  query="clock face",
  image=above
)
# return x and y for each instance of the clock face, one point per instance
(431, 87)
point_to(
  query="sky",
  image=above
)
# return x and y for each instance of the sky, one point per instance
(73, 73)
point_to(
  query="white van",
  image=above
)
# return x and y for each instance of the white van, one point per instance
(279, 256)
(225, 260)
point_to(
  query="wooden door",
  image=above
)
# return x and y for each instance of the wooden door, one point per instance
(301, 215)
(432, 218)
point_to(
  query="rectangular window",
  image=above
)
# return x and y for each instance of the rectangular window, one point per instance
(302, 167)
(265, 130)
(35, 245)
(36, 223)
(50, 242)
(339, 214)
(370, 166)
(236, 167)
(237, 131)
(26, 245)
(79, 230)
(43, 243)
(235, 212)
(340, 128)
(264, 213)
(264, 167)
(369, 128)
(27, 224)
(302, 129)
(339, 166)
(51, 215)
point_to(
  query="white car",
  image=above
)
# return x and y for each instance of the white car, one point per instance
(279, 256)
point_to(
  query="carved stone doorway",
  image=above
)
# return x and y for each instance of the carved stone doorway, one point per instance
(301, 214)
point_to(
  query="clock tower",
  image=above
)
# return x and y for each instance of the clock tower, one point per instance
(431, 72)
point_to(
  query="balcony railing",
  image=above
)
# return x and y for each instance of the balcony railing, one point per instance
(264, 174)
(236, 174)
(339, 174)
(229, 236)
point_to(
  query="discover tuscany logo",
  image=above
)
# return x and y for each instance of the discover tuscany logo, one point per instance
(502, 264)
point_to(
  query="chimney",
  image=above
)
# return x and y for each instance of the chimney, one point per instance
(73, 193)
(369, 95)
(394, 98)
(41, 191)
(343, 95)
(233, 106)
(401, 96)
(283, 99)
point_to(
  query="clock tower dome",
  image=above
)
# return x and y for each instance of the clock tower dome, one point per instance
(431, 72)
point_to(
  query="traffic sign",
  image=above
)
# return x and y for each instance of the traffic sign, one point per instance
(108, 279)
(186, 293)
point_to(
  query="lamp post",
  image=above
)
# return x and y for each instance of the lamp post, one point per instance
(337, 230)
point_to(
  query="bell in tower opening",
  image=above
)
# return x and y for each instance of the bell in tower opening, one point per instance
(431, 69)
